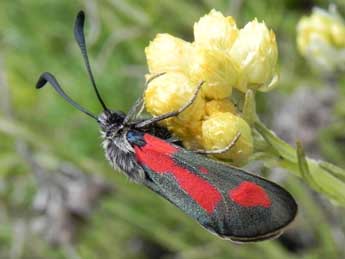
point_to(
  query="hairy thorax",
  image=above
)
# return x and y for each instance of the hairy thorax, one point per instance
(118, 150)
(121, 156)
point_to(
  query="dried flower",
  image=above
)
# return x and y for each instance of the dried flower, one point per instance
(170, 92)
(321, 39)
(215, 31)
(167, 53)
(225, 58)
(223, 105)
(217, 69)
(255, 52)
(220, 129)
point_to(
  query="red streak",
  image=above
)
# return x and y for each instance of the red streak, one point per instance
(249, 194)
(156, 154)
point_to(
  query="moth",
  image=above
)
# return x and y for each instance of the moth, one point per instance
(225, 200)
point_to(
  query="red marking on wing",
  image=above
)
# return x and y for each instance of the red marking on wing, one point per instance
(203, 170)
(249, 194)
(159, 145)
(156, 155)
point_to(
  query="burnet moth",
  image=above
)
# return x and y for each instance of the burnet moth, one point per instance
(226, 200)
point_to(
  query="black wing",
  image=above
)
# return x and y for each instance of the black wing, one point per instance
(226, 200)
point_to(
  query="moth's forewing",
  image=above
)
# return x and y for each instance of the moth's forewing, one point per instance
(255, 208)
(226, 200)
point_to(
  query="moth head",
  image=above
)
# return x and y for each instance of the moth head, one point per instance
(111, 122)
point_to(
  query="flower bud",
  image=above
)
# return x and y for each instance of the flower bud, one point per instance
(321, 39)
(220, 129)
(170, 92)
(189, 133)
(216, 68)
(320, 25)
(255, 52)
(223, 105)
(215, 31)
(167, 53)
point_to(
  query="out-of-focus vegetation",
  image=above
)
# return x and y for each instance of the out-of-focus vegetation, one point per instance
(41, 136)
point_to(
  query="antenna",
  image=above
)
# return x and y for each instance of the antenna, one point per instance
(80, 38)
(48, 77)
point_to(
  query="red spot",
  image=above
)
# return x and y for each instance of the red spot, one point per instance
(203, 170)
(249, 194)
(156, 155)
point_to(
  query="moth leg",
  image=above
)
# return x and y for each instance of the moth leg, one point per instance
(170, 114)
(138, 106)
(135, 110)
(220, 150)
(173, 140)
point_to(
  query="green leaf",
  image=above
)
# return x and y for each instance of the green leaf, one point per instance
(334, 170)
(280, 146)
(304, 168)
(323, 177)
(249, 108)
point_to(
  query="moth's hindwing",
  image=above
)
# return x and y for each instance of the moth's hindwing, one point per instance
(226, 200)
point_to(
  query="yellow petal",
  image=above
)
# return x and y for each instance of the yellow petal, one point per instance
(168, 54)
(215, 67)
(215, 30)
(189, 133)
(170, 92)
(222, 105)
(220, 129)
(255, 52)
(321, 39)
(321, 24)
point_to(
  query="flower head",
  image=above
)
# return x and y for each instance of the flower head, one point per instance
(220, 129)
(217, 69)
(255, 52)
(168, 53)
(225, 58)
(215, 31)
(223, 105)
(321, 39)
(170, 92)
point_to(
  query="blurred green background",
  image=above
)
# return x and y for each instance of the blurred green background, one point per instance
(42, 137)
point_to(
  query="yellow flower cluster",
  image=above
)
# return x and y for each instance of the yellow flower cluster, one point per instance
(321, 38)
(225, 58)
